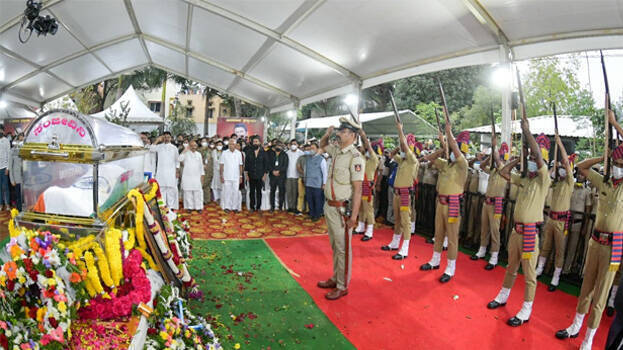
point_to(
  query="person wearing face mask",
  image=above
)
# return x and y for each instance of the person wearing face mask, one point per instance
(315, 176)
(557, 224)
(167, 169)
(523, 243)
(256, 170)
(217, 186)
(206, 155)
(603, 257)
(301, 202)
(277, 166)
(370, 177)
(149, 159)
(493, 206)
(452, 177)
(5, 151)
(231, 177)
(473, 200)
(292, 176)
(343, 190)
(15, 171)
(192, 177)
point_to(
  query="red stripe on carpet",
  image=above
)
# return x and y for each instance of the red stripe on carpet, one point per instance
(415, 311)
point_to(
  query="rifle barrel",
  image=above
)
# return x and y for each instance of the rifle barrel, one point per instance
(396, 114)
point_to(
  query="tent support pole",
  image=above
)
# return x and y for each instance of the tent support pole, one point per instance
(505, 127)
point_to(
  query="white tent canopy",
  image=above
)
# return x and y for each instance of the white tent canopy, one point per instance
(568, 126)
(138, 114)
(14, 110)
(280, 54)
(376, 124)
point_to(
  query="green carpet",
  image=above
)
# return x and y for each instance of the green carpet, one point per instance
(251, 300)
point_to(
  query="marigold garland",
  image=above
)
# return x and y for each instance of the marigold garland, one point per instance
(92, 274)
(112, 241)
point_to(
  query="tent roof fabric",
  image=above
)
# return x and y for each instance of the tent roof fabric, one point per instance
(279, 54)
(139, 113)
(16, 111)
(376, 124)
(568, 126)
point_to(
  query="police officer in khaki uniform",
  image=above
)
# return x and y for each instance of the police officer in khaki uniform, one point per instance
(450, 186)
(343, 188)
(493, 206)
(523, 244)
(366, 215)
(557, 225)
(206, 154)
(403, 186)
(604, 249)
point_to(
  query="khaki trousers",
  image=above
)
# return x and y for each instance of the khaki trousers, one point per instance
(443, 228)
(554, 233)
(367, 211)
(597, 282)
(300, 203)
(340, 244)
(292, 186)
(473, 226)
(490, 228)
(402, 219)
(515, 251)
(207, 193)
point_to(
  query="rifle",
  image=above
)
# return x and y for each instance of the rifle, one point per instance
(608, 127)
(492, 160)
(439, 128)
(396, 114)
(556, 145)
(524, 147)
(446, 114)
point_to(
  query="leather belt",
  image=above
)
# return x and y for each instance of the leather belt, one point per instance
(559, 215)
(603, 238)
(337, 204)
(490, 200)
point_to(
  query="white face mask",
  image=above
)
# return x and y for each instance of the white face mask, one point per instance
(367, 154)
(562, 172)
(477, 166)
(403, 155)
(294, 147)
(226, 142)
(219, 147)
(211, 145)
(185, 144)
(203, 144)
(326, 155)
(617, 172)
(531, 166)
(452, 157)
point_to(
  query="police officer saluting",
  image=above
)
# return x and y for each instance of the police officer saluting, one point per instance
(343, 188)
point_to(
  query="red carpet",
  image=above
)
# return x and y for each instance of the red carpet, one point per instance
(415, 311)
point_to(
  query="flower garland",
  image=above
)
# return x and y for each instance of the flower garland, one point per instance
(173, 326)
(35, 307)
(112, 242)
(135, 289)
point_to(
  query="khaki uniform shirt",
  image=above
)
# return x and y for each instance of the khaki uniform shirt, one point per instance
(531, 196)
(430, 174)
(581, 198)
(496, 186)
(407, 168)
(206, 154)
(452, 176)
(473, 177)
(372, 164)
(347, 165)
(561, 194)
(609, 205)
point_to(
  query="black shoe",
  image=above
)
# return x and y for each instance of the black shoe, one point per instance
(494, 305)
(428, 267)
(226, 210)
(399, 257)
(563, 334)
(445, 278)
(445, 248)
(430, 241)
(516, 322)
(366, 238)
(489, 267)
(610, 311)
(474, 257)
(387, 247)
(358, 232)
(552, 288)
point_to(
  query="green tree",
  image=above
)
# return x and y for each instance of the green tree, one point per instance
(484, 102)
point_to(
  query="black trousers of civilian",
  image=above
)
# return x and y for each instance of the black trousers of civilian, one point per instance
(383, 203)
(315, 200)
(255, 194)
(277, 182)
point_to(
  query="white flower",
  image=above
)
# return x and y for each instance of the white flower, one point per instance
(53, 258)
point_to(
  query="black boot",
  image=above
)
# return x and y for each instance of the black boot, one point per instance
(428, 267)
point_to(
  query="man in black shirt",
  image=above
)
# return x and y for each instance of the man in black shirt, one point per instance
(255, 168)
(278, 166)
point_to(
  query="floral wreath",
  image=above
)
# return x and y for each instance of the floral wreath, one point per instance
(37, 311)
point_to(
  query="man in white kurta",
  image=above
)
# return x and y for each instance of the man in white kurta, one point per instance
(231, 177)
(216, 185)
(167, 170)
(149, 161)
(192, 177)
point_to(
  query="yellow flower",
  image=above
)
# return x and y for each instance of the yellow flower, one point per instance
(237, 346)
(41, 314)
(51, 282)
(164, 335)
(21, 279)
(62, 307)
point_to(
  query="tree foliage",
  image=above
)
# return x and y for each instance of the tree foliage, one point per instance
(484, 102)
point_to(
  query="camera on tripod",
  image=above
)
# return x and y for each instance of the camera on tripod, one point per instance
(32, 21)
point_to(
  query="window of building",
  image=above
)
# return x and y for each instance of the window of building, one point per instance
(155, 106)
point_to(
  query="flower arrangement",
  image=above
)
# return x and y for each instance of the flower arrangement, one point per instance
(172, 326)
(41, 289)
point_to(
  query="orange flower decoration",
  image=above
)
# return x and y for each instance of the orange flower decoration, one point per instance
(75, 278)
(11, 270)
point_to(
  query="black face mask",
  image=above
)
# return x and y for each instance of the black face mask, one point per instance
(277, 149)
(255, 147)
